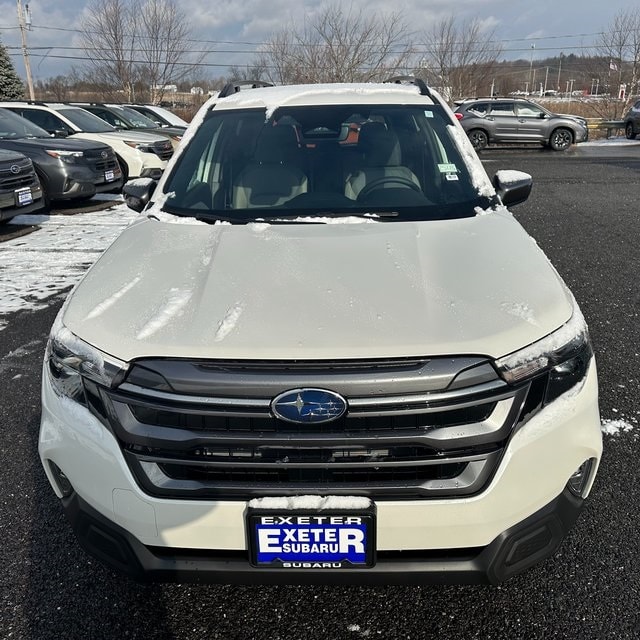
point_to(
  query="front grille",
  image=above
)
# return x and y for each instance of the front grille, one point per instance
(414, 429)
(99, 163)
(26, 177)
(164, 150)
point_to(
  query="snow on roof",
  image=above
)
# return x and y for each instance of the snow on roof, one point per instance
(323, 94)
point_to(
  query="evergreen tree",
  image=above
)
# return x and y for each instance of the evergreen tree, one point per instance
(11, 87)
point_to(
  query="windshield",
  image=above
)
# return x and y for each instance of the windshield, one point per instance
(135, 119)
(392, 162)
(86, 121)
(13, 126)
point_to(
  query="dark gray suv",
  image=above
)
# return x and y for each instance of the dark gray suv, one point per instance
(513, 120)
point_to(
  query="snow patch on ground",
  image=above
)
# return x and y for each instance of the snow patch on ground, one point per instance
(616, 427)
(54, 257)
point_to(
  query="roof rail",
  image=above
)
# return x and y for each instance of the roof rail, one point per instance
(39, 102)
(419, 82)
(238, 85)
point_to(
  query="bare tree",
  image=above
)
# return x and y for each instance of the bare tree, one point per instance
(338, 45)
(110, 40)
(165, 35)
(460, 56)
(138, 43)
(618, 46)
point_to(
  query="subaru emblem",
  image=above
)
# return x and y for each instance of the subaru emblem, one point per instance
(14, 168)
(309, 406)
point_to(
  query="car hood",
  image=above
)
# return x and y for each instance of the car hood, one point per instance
(62, 144)
(7, 154)
(133, 136)
(474, 286)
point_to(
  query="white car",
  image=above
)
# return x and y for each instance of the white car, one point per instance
(326, 353)
(140, 154)
(161, 116)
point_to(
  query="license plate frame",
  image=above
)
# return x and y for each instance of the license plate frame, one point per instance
(24, 196)
(354, 522)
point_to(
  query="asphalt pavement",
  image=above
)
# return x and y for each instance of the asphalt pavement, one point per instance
(584, 213)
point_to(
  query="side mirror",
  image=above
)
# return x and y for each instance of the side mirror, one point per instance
(138, 192)
(542, 115)
(513, 187)
(59, 133)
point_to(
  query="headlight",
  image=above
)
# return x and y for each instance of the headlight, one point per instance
(140, 146)
(64, 155)
(69, 359)
(565, 354)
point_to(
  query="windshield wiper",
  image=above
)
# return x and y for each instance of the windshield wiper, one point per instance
(332, 214)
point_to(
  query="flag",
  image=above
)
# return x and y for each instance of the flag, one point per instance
(613, 66)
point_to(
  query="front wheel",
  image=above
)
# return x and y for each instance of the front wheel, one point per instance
(628, 131)
(479, 139)
(561, 139)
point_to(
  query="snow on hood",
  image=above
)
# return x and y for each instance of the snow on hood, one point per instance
(470, 286)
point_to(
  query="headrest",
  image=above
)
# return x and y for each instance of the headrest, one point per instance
(277, 145)
(380, 147)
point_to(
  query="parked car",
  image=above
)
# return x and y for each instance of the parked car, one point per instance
(139, 154)
(161, 116)
(516, 120)
(314, 362)
(632, 121)
(126, 119)
(68, 169)
(20, 190)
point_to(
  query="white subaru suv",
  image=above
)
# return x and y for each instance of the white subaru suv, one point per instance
(140, 154)
(325, 353)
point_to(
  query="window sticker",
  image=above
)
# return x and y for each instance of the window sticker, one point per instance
(428, 114)
(451, 176)
(448, 168)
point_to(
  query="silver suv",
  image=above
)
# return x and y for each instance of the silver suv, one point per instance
(509, 120)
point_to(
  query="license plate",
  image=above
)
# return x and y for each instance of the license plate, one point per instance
(311, 540)
(24, 196)
(109, 176)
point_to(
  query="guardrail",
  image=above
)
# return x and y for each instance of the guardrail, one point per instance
(612, 127)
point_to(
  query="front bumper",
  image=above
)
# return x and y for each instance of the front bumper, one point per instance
(465, 539)
(82, 182)
(9, 209)
(513, 551)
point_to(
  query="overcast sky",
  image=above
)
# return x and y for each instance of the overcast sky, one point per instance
(551, 25)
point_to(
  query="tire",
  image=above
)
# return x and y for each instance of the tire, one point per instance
(44, 184)
(561, 139)
(628, 131)
(478, 138)
(124, 168)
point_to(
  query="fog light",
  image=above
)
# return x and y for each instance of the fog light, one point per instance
(64, 486)
(580, 479)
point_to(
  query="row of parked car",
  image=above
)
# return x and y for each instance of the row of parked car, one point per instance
(52, 152)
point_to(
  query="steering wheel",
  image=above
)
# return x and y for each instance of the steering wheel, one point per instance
(387, 180)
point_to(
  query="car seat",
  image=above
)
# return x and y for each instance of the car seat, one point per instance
(380, 149)
(274, 175)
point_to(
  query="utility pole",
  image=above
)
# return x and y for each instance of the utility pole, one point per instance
(25, 23)
(559, 70)
(531, 76)
(546, 79)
